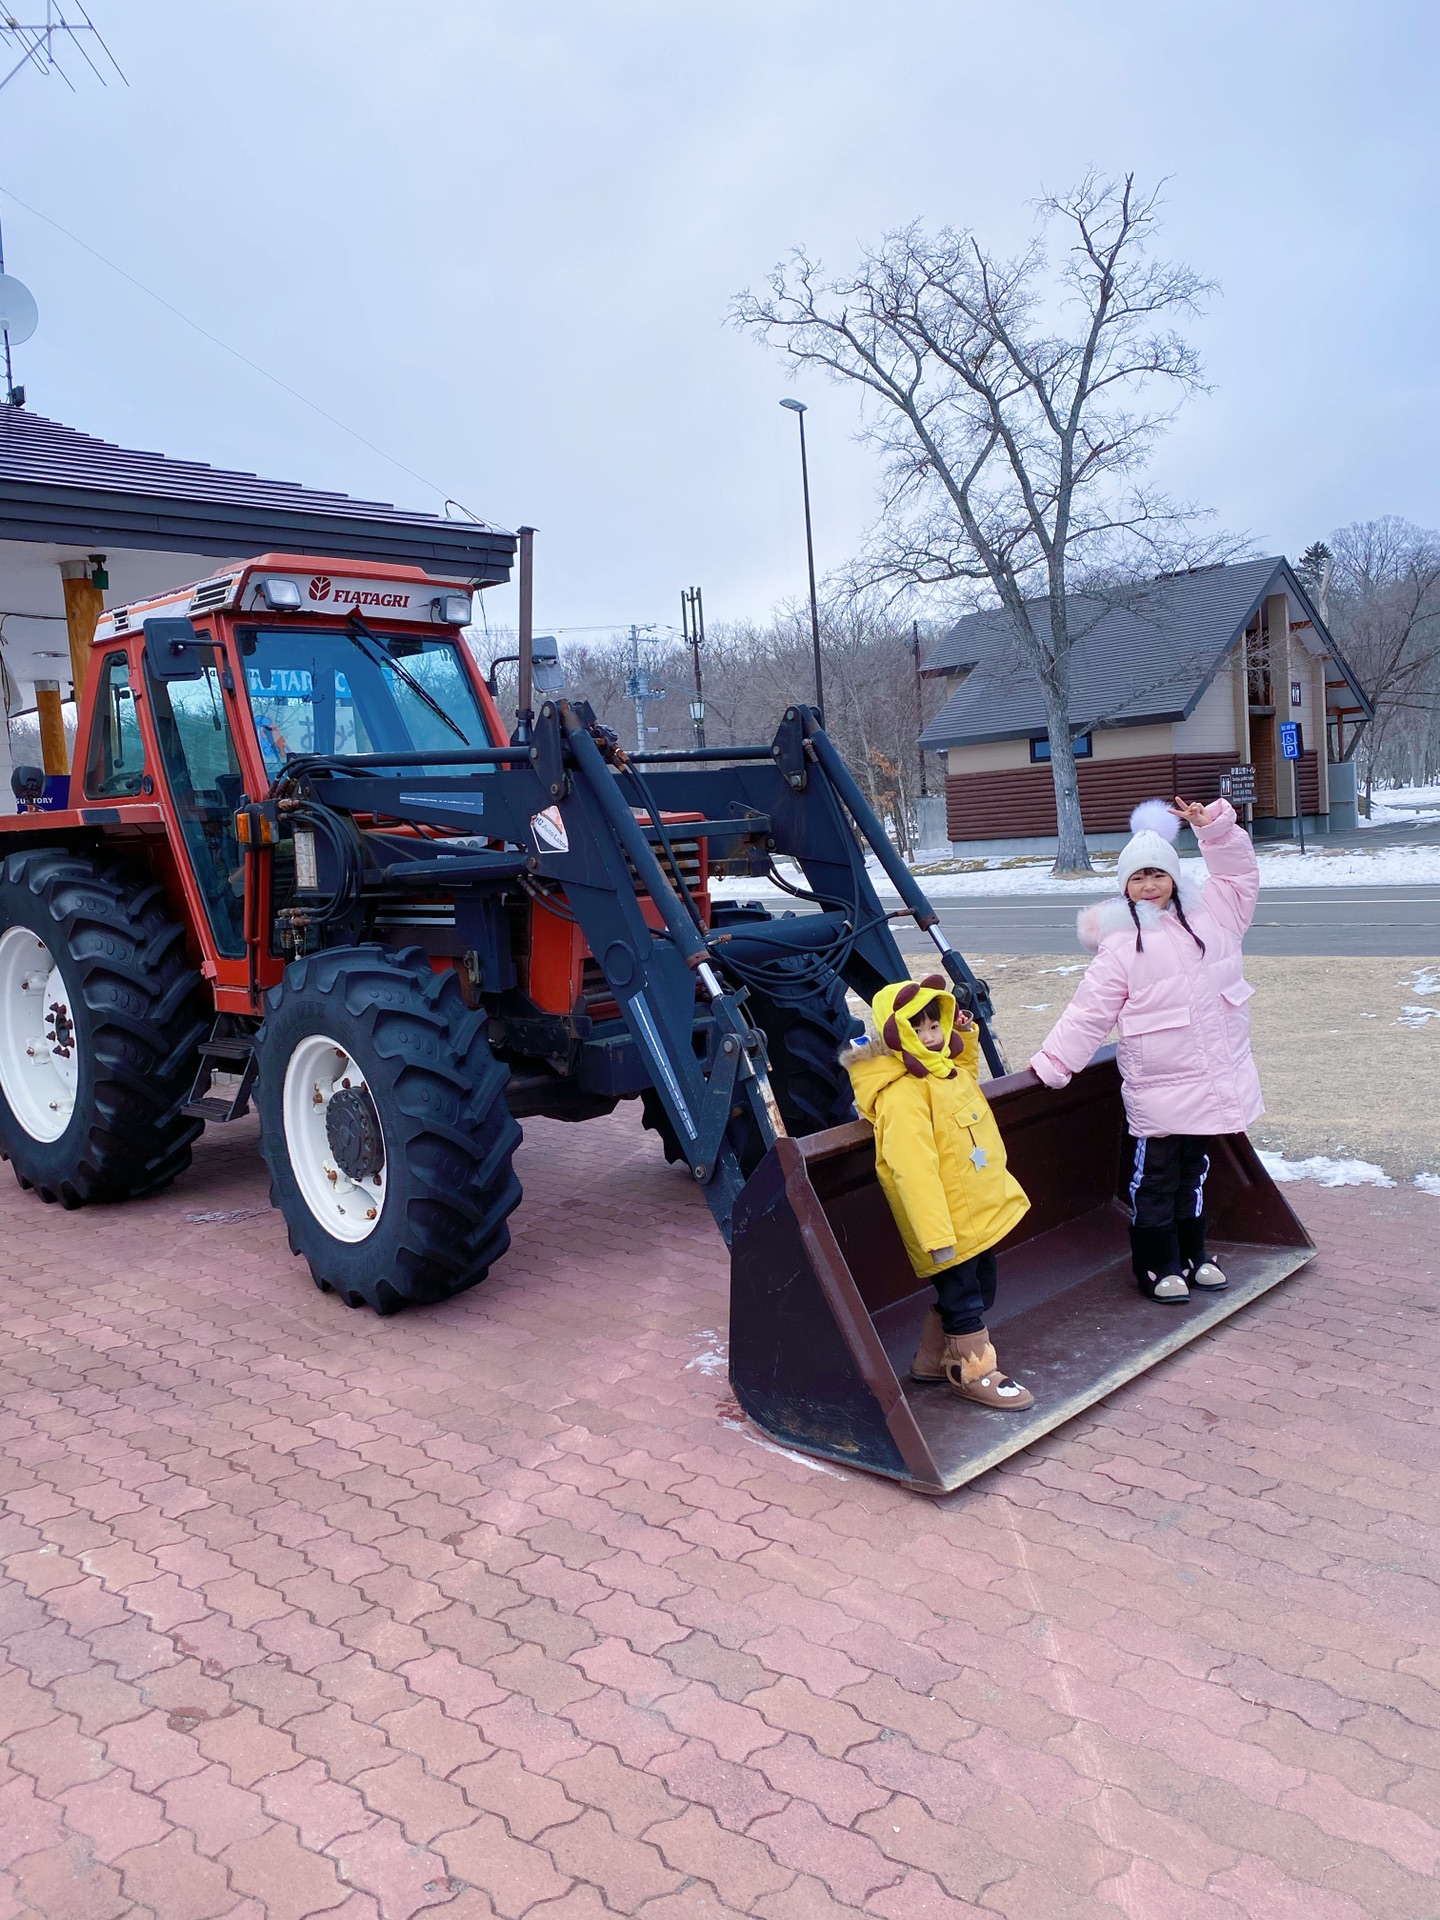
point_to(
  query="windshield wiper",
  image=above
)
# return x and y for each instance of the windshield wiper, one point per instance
(382, 658)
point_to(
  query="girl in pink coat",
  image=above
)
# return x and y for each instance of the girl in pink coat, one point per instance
(1167, 975)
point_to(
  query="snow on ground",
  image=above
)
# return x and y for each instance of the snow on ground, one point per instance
(1326, 1172)
(1398, 806)
(1283, 866)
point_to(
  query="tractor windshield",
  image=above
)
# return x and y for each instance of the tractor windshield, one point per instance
(333, 692)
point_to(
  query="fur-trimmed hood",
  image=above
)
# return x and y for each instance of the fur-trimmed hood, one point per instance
(1103, 917)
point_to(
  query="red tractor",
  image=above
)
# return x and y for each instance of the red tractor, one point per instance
(304, 863)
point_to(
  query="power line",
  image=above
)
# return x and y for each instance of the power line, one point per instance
(235, 353)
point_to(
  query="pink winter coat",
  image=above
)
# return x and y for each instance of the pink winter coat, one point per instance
(1184, 1027)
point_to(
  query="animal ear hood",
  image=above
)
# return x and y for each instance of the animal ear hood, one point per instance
(895, 1009)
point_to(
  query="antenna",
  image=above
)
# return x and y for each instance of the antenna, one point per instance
(41, 42)
(19, 317)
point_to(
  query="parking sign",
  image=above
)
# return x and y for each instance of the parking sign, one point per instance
(1292, 743)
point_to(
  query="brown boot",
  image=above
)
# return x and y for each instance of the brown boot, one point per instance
(973, 1374)
(929, 1361)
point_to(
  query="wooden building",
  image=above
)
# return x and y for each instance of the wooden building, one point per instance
(1174, 682)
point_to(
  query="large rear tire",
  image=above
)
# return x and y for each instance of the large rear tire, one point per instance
(385, 1128)
(101, 1019)
(803, 1040)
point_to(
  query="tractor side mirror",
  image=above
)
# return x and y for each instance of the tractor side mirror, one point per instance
(172, 651)
(546, 673)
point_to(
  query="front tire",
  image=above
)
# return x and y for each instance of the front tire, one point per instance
(804, 1039)
(385, 1128)
(101, 1019)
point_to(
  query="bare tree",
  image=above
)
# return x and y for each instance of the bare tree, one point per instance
(1385, 612)
(1013, 407)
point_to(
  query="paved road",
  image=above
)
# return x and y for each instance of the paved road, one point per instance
(1400, 921)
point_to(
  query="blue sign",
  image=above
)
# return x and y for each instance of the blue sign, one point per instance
(54, 799)
(1292, 743)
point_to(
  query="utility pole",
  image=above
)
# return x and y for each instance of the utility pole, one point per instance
(692, 625)
(919, 701)
(639, 689)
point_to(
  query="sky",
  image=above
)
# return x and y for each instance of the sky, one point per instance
(499, 242)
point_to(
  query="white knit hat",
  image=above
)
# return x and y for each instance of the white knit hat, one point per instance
(1154, 828)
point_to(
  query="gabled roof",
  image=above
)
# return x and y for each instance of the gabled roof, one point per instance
(61, 486)
(1141, 654)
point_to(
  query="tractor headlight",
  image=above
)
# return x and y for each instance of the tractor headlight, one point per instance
(281, 596)
(452, 609)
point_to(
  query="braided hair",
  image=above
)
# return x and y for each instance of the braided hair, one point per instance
(1173, 901)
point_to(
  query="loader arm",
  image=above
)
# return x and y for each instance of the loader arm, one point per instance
(589, 822)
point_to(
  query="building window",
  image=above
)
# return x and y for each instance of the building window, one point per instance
(1040, 748)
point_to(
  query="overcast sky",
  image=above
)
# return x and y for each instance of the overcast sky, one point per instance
(499, 241)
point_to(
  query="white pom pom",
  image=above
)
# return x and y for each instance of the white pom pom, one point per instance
(1155, 816)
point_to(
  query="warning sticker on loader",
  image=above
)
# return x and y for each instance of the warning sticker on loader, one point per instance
(547, 830)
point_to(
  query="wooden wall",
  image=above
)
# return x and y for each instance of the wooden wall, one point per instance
(1019, 803)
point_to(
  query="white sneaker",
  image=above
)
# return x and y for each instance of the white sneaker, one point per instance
(1207, 1274)
(1172, 1287)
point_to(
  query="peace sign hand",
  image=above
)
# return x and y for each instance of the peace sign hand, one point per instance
(1193, 812)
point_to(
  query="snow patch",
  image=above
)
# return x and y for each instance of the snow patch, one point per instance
(1428, 1183)
(1399, 806)
(1424, 980)
(712, 1361)
(800, 1459)
(1324, 1171)
(1417, 1016)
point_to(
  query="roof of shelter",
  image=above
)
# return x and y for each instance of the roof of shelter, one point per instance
(1140, 654)
(59, 485)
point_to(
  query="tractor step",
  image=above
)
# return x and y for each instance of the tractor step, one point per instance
(224, 1052)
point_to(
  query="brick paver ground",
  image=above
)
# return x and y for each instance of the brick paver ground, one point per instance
(501, 1608)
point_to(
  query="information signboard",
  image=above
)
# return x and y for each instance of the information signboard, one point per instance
(1292, 741)
(1238, 786)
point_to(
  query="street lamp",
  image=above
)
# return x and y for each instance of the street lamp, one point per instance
(797, 407)
(697, 718)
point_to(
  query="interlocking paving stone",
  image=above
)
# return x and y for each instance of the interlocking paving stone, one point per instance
(500, 1608)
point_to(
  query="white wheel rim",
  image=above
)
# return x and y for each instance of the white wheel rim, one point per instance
(347, 1209)
(39, 1047)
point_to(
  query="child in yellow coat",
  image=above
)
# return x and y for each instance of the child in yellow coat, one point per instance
(941, 1161)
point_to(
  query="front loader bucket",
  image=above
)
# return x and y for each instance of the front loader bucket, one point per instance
(825, 1309)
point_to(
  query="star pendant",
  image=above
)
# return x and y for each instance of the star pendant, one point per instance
(977, 1154)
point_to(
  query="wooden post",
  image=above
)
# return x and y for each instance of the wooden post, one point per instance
(84, 604)
(54, 754)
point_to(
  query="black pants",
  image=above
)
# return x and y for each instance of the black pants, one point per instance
(967, 1293)
(1167, 1204)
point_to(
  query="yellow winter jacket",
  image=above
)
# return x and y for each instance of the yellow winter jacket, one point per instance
(938, 1151)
